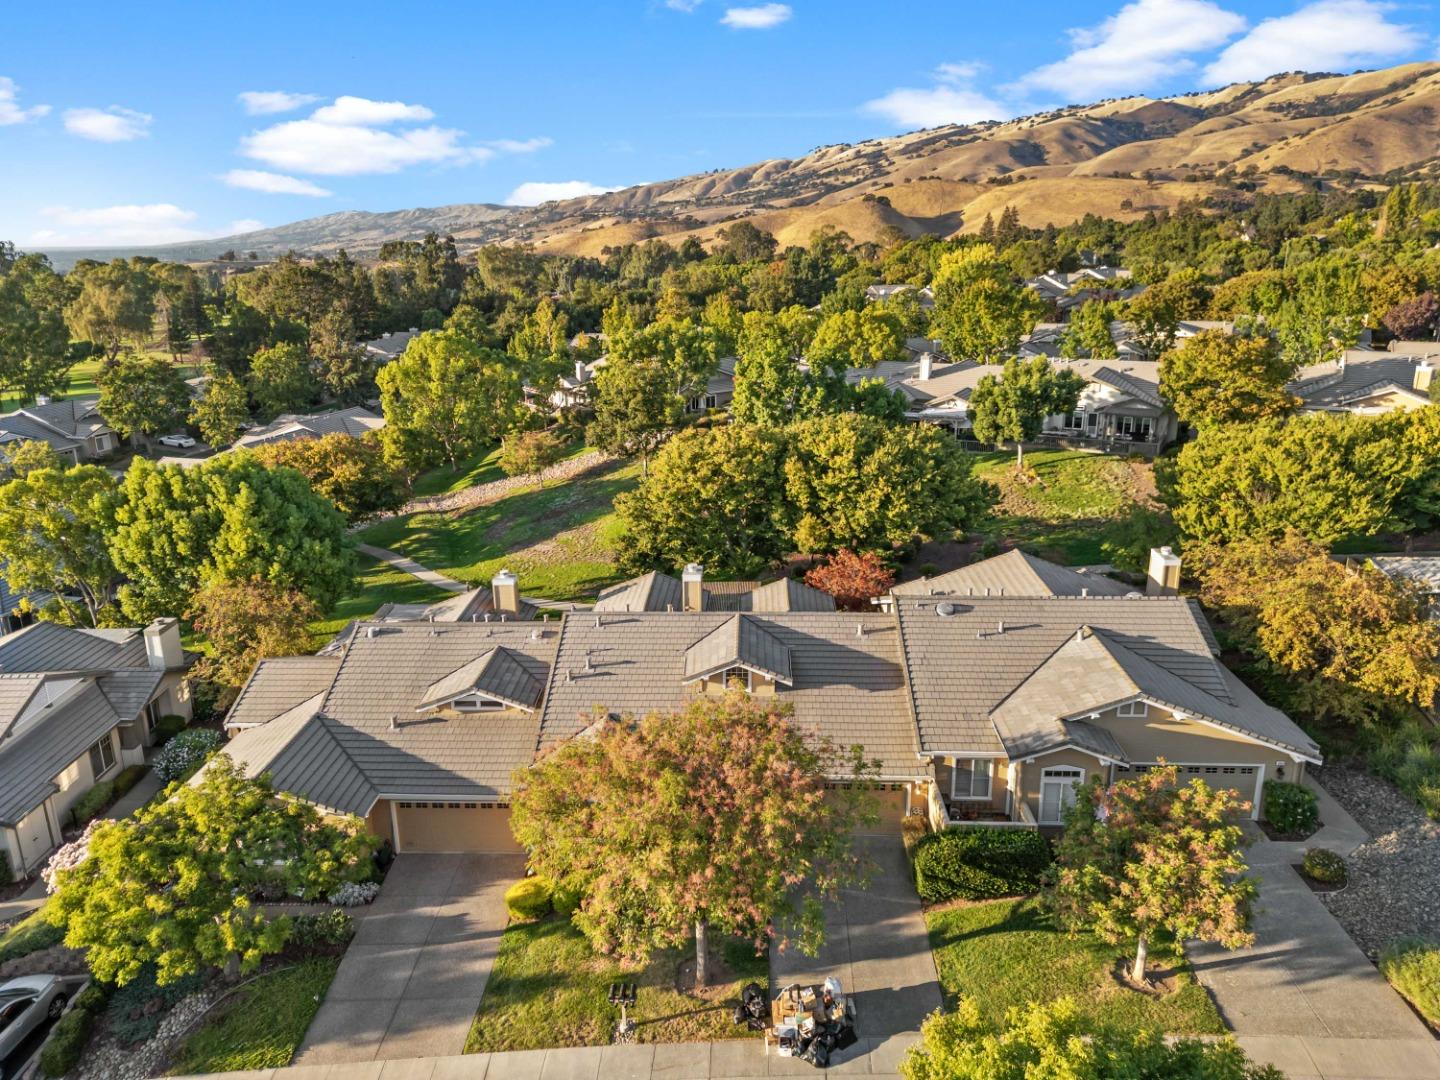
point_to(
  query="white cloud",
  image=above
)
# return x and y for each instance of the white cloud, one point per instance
(952, 100)
(10, 110)
(265, 102)
(1145, 42)
(363, 112)
(112, 124)
(537, 191)
(155, 223)
(273, 183)
(521, 146)
(760, 17)
(1326, 36)
(244, 225)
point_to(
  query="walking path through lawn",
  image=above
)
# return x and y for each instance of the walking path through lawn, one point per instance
(414, 973)
(1304, 997)
(413, 568)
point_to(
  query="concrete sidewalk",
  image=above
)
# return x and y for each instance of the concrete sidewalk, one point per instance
(413, 568)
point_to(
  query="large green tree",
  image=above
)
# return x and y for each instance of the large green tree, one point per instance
(981, 313)
(232, 518)
(637, 407)
(1087, 335)
(221, 409)
(705, 818)
(445, 398)
(852, 339)
(1148, 857)
(770, 384)
(246, 621)
(713, 496)
(172, 886)
(34, 340)
(857, 482)
(1013, 407)
(54, 531)
(115, 305)
(281, 380)
(143, 396)
(1220, 378)
(351, 472)
(1323, 312)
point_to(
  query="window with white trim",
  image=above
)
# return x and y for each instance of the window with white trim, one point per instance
(742, 675)
(970, 778)
(1133, 708)
(475, 703)
(102, 756)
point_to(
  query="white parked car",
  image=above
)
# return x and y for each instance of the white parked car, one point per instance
(25, 1004)
(183, 441)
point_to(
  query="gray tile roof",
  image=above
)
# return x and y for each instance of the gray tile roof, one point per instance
(657, 591)
(47, 646)
(962, 665)
(497, 673)
(31, 759)
(356, 420)
(648, 592)
(16, 690)
(740, 640)
(130, 689)
(787, 594)
(1334, 387)
(1130, 385)
(845, 685)
(1015, 573)
(1423, 571)
(279, 684)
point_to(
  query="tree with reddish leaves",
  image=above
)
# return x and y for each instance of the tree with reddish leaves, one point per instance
(1414, 319)
(1147, 856)
(852, 578)
(710, 816)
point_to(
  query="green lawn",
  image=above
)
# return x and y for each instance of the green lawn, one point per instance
(1073, 507)
(377, 584)
(548, 989)
(560, 540)
(28, 935)
(480, 469)
(261, 1025)
(1007, 952)
(82, 381)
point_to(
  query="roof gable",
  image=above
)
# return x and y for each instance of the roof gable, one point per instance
(738, 642)
(495, 674)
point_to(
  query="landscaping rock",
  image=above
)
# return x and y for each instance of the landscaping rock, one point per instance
(56, 960)
(107, 1061)
(1391, 892)
(484, 494)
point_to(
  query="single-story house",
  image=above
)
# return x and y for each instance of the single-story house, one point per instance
(1366, 383)
(883, 293)
(74, 428)
(76, 706)
(983, 695)
(356, 420)
(719, 389)
(388, 346)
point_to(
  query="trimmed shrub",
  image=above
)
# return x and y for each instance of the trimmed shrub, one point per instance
(71, 1033)
(1324, 866)
(354, 893)
(979, 863)
(167, 727)
(1291, 808)
(528, 899)
(321, 931)
(127, 778)
(1413, 967)
(92, 804)
(186, 752)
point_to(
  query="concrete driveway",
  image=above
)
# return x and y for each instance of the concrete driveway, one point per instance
(412, 978)
(877, 945)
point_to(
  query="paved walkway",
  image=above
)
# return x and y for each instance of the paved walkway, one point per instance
(1304, 997)
(413, 568)
(412, 978)
(877, 945)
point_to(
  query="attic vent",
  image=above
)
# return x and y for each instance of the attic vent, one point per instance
(947, 610)
(1134, 595)
(370, 631)
(535, 634)
(599, 621)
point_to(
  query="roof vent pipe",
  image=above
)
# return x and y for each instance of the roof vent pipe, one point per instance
(860, 629)
(1084, 591)
(1001, 628)
(394, 722)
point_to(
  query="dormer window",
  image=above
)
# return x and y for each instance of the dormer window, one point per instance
(1139, 709)
(476, 704)
(737, 675)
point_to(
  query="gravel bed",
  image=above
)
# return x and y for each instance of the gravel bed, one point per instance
(1393, 877)
(106, 1060)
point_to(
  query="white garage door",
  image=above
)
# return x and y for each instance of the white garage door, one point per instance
(1247, 779)
(454, 827)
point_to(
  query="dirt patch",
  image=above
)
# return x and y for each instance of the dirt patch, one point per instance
(1159, 984)
(721, 980)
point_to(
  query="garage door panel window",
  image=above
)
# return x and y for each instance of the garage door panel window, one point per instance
(970, 778)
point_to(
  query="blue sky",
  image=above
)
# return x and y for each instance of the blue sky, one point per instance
(128, 123)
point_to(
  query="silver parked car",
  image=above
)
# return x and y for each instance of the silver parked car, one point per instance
(25, 1004)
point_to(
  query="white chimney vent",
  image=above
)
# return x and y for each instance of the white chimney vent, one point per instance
(927, 366)
(1163, 576)
(162, 645)
(692, 588)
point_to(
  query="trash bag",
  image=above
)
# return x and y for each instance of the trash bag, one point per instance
(817, 1053)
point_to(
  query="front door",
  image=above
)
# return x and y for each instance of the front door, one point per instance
(1057, 792)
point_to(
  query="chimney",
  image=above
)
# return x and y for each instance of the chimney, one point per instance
(927, 365)
(692, 592)
(1424, 372)
(42, 399)
(1163, 577)
(505, 593)
(579, 371)
(162, 645)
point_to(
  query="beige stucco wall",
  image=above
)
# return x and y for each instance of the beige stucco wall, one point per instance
(760, 686)
(1030, 773)
(78, 778)
(378, 821)
(999, 784)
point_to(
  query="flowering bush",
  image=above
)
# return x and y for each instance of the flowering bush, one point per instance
(70, 855)
(354, 894)
(185, 753)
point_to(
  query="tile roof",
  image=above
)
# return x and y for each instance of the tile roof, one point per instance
(1364, 374)
(277, 685)
(47, 646)
(657, 591)
(648, 592)
(496, 673)
(33, 758)
(356, 420)
(1015, 573)
(130, 689)
(1421, 570)
(743, 641)
(845, 684)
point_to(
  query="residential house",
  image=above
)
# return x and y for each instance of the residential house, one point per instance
(74, 428)
(984, 695)
(76, 706)
(388, 346)
(883, 293)
(1067, 291)
(356, 420)
(1420, 572)
(719, 389)
(1046, 338)
(1366, 383)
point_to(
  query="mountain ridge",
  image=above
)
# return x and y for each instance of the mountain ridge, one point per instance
(1120, 157)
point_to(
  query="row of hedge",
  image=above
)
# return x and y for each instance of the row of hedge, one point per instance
(979, 863)
(104, 795)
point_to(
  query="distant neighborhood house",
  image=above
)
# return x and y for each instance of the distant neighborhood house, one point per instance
(73, 428)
